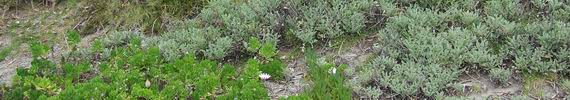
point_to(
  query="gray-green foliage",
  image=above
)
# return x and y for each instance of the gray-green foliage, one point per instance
(218, 28)
(424, 48)
(542, 47)
(420, 53)
(224, 24)
(322, 19)
(119, 38)
(565, 85)
(509, 9)
(500, 75)
(220, 48)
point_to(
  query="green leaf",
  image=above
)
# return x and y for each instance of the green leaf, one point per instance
(73, 37)
(38, 49)
(268, 50)
(274, 68)
(253, 44)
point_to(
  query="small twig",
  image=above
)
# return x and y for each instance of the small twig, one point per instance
(152, 28)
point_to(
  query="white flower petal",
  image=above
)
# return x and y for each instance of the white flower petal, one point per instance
(264, 76)
(332, 70)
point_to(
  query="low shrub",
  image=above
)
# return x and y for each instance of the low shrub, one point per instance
(322, 19)
(500, 75)
(132, 72)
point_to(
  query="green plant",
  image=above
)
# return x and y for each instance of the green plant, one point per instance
(328, 80)
(505, 8)
(253, 44)
(132, 72)
(565, 84)
(7, 50)
(321, 19)
(220, 48)
(39, 49)
(500, 75)
(274, 68)
(73, 37)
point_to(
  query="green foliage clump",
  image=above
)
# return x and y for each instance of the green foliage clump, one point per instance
(500, 75)
(541, 48)
(73, 37)
(219, 48)
(328, 81)
(38, 49)
(132, 72)
(508, 9)
(267, 50)
(496, 36)
(218, 29)
(422, 55)
(322, 19)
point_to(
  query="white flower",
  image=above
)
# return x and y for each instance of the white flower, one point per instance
(147, 83)
(332, 70)
(264, 76)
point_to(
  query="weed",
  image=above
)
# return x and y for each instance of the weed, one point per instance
(500, 75)
(328, 80)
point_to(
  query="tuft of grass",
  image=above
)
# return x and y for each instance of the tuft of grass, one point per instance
(565, 85)
(533, 84)
(5, 52)
(500, 75)
(328, 80)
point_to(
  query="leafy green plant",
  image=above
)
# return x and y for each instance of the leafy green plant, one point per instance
(505, 8)
(328, 80)
(253, 44)
(73, 37)
(268, 50)
(134, 72)
(38, 49)
(220, 48)
(321, 19)
(274, 68)
(500, 75)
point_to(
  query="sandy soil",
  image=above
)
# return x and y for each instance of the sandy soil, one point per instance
(354, 55)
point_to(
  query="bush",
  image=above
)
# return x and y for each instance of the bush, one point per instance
(328, 80)
(424, 38)
(508, 9)
(133, 72)
(321, 19)
(500, 75)
(419, 53)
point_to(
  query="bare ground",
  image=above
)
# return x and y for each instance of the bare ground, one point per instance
(48, 24)
(355, 54)
(482, 87)
(9, 65)
(293, 83)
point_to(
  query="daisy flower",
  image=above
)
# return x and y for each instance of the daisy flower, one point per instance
(264, 76)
